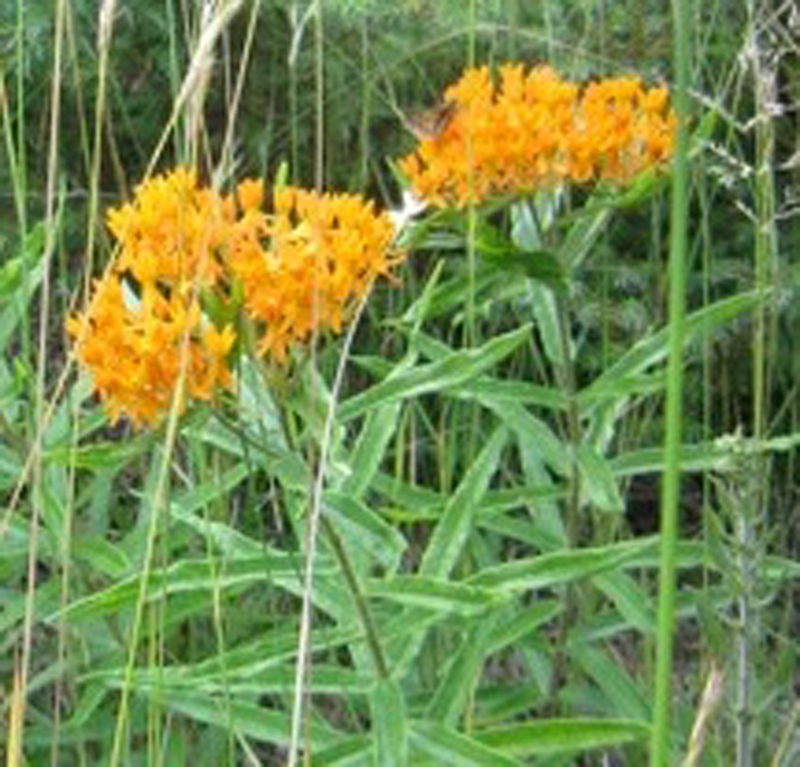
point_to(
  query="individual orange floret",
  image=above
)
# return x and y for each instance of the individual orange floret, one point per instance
(136, 347)
(304, 267)
(530, 130)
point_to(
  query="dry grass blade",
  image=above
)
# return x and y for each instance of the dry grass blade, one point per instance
(16, 714)
(708, 704)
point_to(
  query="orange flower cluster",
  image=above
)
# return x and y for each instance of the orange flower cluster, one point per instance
(325, 252)
(301, 269)
(138, 334)
(535, 129)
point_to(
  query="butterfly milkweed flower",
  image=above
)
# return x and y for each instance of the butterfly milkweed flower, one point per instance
(531, 129)
(305, 266)
(144, 325)
(299, 269)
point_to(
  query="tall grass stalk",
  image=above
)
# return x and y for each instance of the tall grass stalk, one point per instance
(157, 506)
(661, 734)
(319, 83)
(37, 489)
(21, 177)
(191, 98)
(313, 522)
(105, 29)
(751, 511)
(227, 160)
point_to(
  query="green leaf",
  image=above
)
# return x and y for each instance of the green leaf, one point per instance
(560, 567)
(432, 594)
(449, 537)
(102, 456)
(349, 752)
(191, 575)
(456, 368)
(703, 456)
(273, 648)
(364, 528)
(583, 235)
(248, 719)
(653, 349)
(367, 454)
(629, 599)
(448, 747)
(452, 294)
(462, 673)
(563, 735)
(506, 256)
(494, 390)
(545, 309)
(102, 555)
(598, 481)
(526, 621)
(642, 188)
(533, 434)
(267, 680)
(457, 521)
(603, 411)
(625, 697)
(389, 724)
(21, 278)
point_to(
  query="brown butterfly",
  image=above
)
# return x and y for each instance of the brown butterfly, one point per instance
(429, 124)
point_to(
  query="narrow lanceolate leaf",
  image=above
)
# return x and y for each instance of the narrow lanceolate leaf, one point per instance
(273, 680)
(560, 567)
(447, 542)
(563, 736)
(433, 594)
(533, 434)
(702, 456)
(545, 310)
(598, 481)
(456, 524)
(366, 457)
(365, 529)
(239, 717)
(452, 370)
(445, 746)
(582, 237)
(489, 390)
(390, 725)
(462, 673)
(192, 575)
(625, 697)
(20, 279)
(629, 598)
(101, 456)
(348, 752)
(452, 294)
(524, 623)
(653, 349)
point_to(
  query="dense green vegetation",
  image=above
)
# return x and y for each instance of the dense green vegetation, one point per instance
(436, 537)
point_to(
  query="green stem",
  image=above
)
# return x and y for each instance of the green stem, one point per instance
(362, 608)
(567, 380)
(660, 741)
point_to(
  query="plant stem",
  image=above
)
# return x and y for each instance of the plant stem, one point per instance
(362, 608)
(567, 380)
(660, 741)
